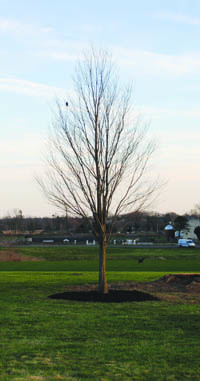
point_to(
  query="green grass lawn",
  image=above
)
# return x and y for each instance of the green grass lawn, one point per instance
(82, 258)
(62, 253)
(45, 339)
(48, 339)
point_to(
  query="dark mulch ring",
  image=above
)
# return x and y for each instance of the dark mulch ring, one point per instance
(175, 288)
(113, 296)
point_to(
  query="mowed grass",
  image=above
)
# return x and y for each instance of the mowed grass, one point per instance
(63, 253)
(45, 339)
(82, 258)
(48, 339)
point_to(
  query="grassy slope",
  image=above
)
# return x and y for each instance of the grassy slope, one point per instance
(48, 339)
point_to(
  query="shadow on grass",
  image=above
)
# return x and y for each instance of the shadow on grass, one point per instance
(114, 296)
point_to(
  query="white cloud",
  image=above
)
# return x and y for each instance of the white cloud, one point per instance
(56, 55)
(44, 40)
(16, 27)
(157, 113)
(143, 62)
(178, 18)
(61, 50)
(151, 63)
(21, 86)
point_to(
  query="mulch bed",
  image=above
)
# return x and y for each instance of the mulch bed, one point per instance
(175, 283)
(175, 288)
(114, 296)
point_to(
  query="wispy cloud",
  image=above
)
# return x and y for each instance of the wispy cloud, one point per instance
(157, 113)
(178, 18)
(30, 88)
(43, 40)
(152, 63)
(143, 62)
(17, 27)
(60, 50)
(56, 55)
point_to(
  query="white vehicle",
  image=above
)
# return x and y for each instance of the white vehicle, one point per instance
(186, 243)
(65, 240)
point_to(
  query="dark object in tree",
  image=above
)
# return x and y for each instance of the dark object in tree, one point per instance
(67, 104)
(99, 154)
(197, 232)
(181, 223)
(141, 260)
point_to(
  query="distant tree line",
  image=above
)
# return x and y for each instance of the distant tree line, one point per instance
(132, 223)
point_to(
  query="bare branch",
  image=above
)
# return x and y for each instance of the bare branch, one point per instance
(99, 155)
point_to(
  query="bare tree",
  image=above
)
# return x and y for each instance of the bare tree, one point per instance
(98, 154)
(196, 210)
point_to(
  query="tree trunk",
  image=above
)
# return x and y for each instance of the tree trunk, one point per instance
(103, 287)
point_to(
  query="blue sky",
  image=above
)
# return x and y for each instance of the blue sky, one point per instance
(155, 44)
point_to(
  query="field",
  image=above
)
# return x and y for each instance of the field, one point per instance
(52, 339)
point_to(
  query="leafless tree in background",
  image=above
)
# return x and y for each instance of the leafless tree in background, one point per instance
(196, 210)
(98, 154)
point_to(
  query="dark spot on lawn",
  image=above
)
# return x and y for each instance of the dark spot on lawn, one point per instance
(114, 296)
